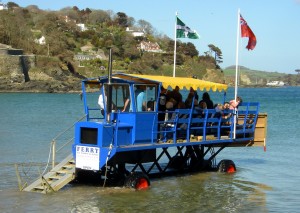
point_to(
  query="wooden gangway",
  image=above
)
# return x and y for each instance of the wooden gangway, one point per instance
(56, 178)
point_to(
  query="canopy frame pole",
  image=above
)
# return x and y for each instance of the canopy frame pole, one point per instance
(175, 45)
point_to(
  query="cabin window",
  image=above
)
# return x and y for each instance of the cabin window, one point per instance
(145, 96)
(120, 97)
(88, 135)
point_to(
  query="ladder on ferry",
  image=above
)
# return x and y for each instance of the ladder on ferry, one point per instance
(56, 178)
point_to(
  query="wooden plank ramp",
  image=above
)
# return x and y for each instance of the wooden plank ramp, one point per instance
(54, 180)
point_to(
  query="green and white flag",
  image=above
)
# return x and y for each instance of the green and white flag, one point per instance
(183, 31)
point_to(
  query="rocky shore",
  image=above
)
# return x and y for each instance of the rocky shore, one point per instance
(27, 74)
(30, 73)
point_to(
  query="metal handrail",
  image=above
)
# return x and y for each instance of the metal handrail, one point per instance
(54, 142)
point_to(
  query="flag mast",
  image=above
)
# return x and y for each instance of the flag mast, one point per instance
(236, 70)
(175, 33)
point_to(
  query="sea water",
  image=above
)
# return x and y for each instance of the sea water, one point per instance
(264, 181)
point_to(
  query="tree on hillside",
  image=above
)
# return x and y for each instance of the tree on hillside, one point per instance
(17, 34)
(129, 47)
(188, 49)
(297, 71)
(47, 23)
(11, 5)
(98, 17)
(33, 8)
(146, 26)
(163, 41)
(84, 15)
(122, 19)
(71, 13)
(217, 54)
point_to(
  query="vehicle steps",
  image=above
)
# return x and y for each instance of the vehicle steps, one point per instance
(55, 179)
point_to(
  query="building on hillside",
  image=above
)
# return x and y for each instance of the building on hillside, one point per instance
(81, 27)
(68, 19)
(149, 47)
(3, 6)
(135, 32)
(41, 40)
(87, 57)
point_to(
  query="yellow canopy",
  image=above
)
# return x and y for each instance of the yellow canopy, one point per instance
(166, 81)
(182, 82)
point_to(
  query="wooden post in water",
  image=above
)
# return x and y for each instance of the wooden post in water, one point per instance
(53, 153)
(18, 177)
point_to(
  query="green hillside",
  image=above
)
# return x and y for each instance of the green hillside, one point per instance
(81, 50)
(249, 77)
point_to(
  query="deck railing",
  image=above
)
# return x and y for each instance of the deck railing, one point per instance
(186, 125)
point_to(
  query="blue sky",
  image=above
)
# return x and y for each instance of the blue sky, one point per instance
(274, 22)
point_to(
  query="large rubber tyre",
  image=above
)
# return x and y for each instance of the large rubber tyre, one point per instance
(137, 180)
(226, 166)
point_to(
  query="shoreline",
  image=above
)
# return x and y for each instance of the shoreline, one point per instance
(79, 91)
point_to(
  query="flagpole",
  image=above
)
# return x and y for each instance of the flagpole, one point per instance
(175, 33)
(236, 70)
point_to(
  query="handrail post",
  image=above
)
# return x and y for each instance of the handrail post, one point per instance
(53, 153)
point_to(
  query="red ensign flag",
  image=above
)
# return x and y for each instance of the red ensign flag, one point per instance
(247, 32)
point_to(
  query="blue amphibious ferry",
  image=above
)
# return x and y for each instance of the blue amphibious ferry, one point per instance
(129, 145)
(132, 139)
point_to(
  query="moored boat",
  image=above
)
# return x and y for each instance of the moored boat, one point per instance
(275, 83)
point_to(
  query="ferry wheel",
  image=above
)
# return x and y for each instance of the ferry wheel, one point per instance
(137, 180)
(226, 166)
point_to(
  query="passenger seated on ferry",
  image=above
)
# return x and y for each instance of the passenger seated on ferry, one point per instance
(169, 107)
(194, 93)
(163, 98)
(226, 115)
(219, 111)
(189, 100)
(175, 95)
(169, 117)
(235, 103)
(207, 100)
(199, 110)
(150, 105)
(181, 105)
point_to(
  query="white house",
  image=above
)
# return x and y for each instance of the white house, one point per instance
(41, 40)
(3, 6)
(82, 27)
(135, 33)
(150, 47)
